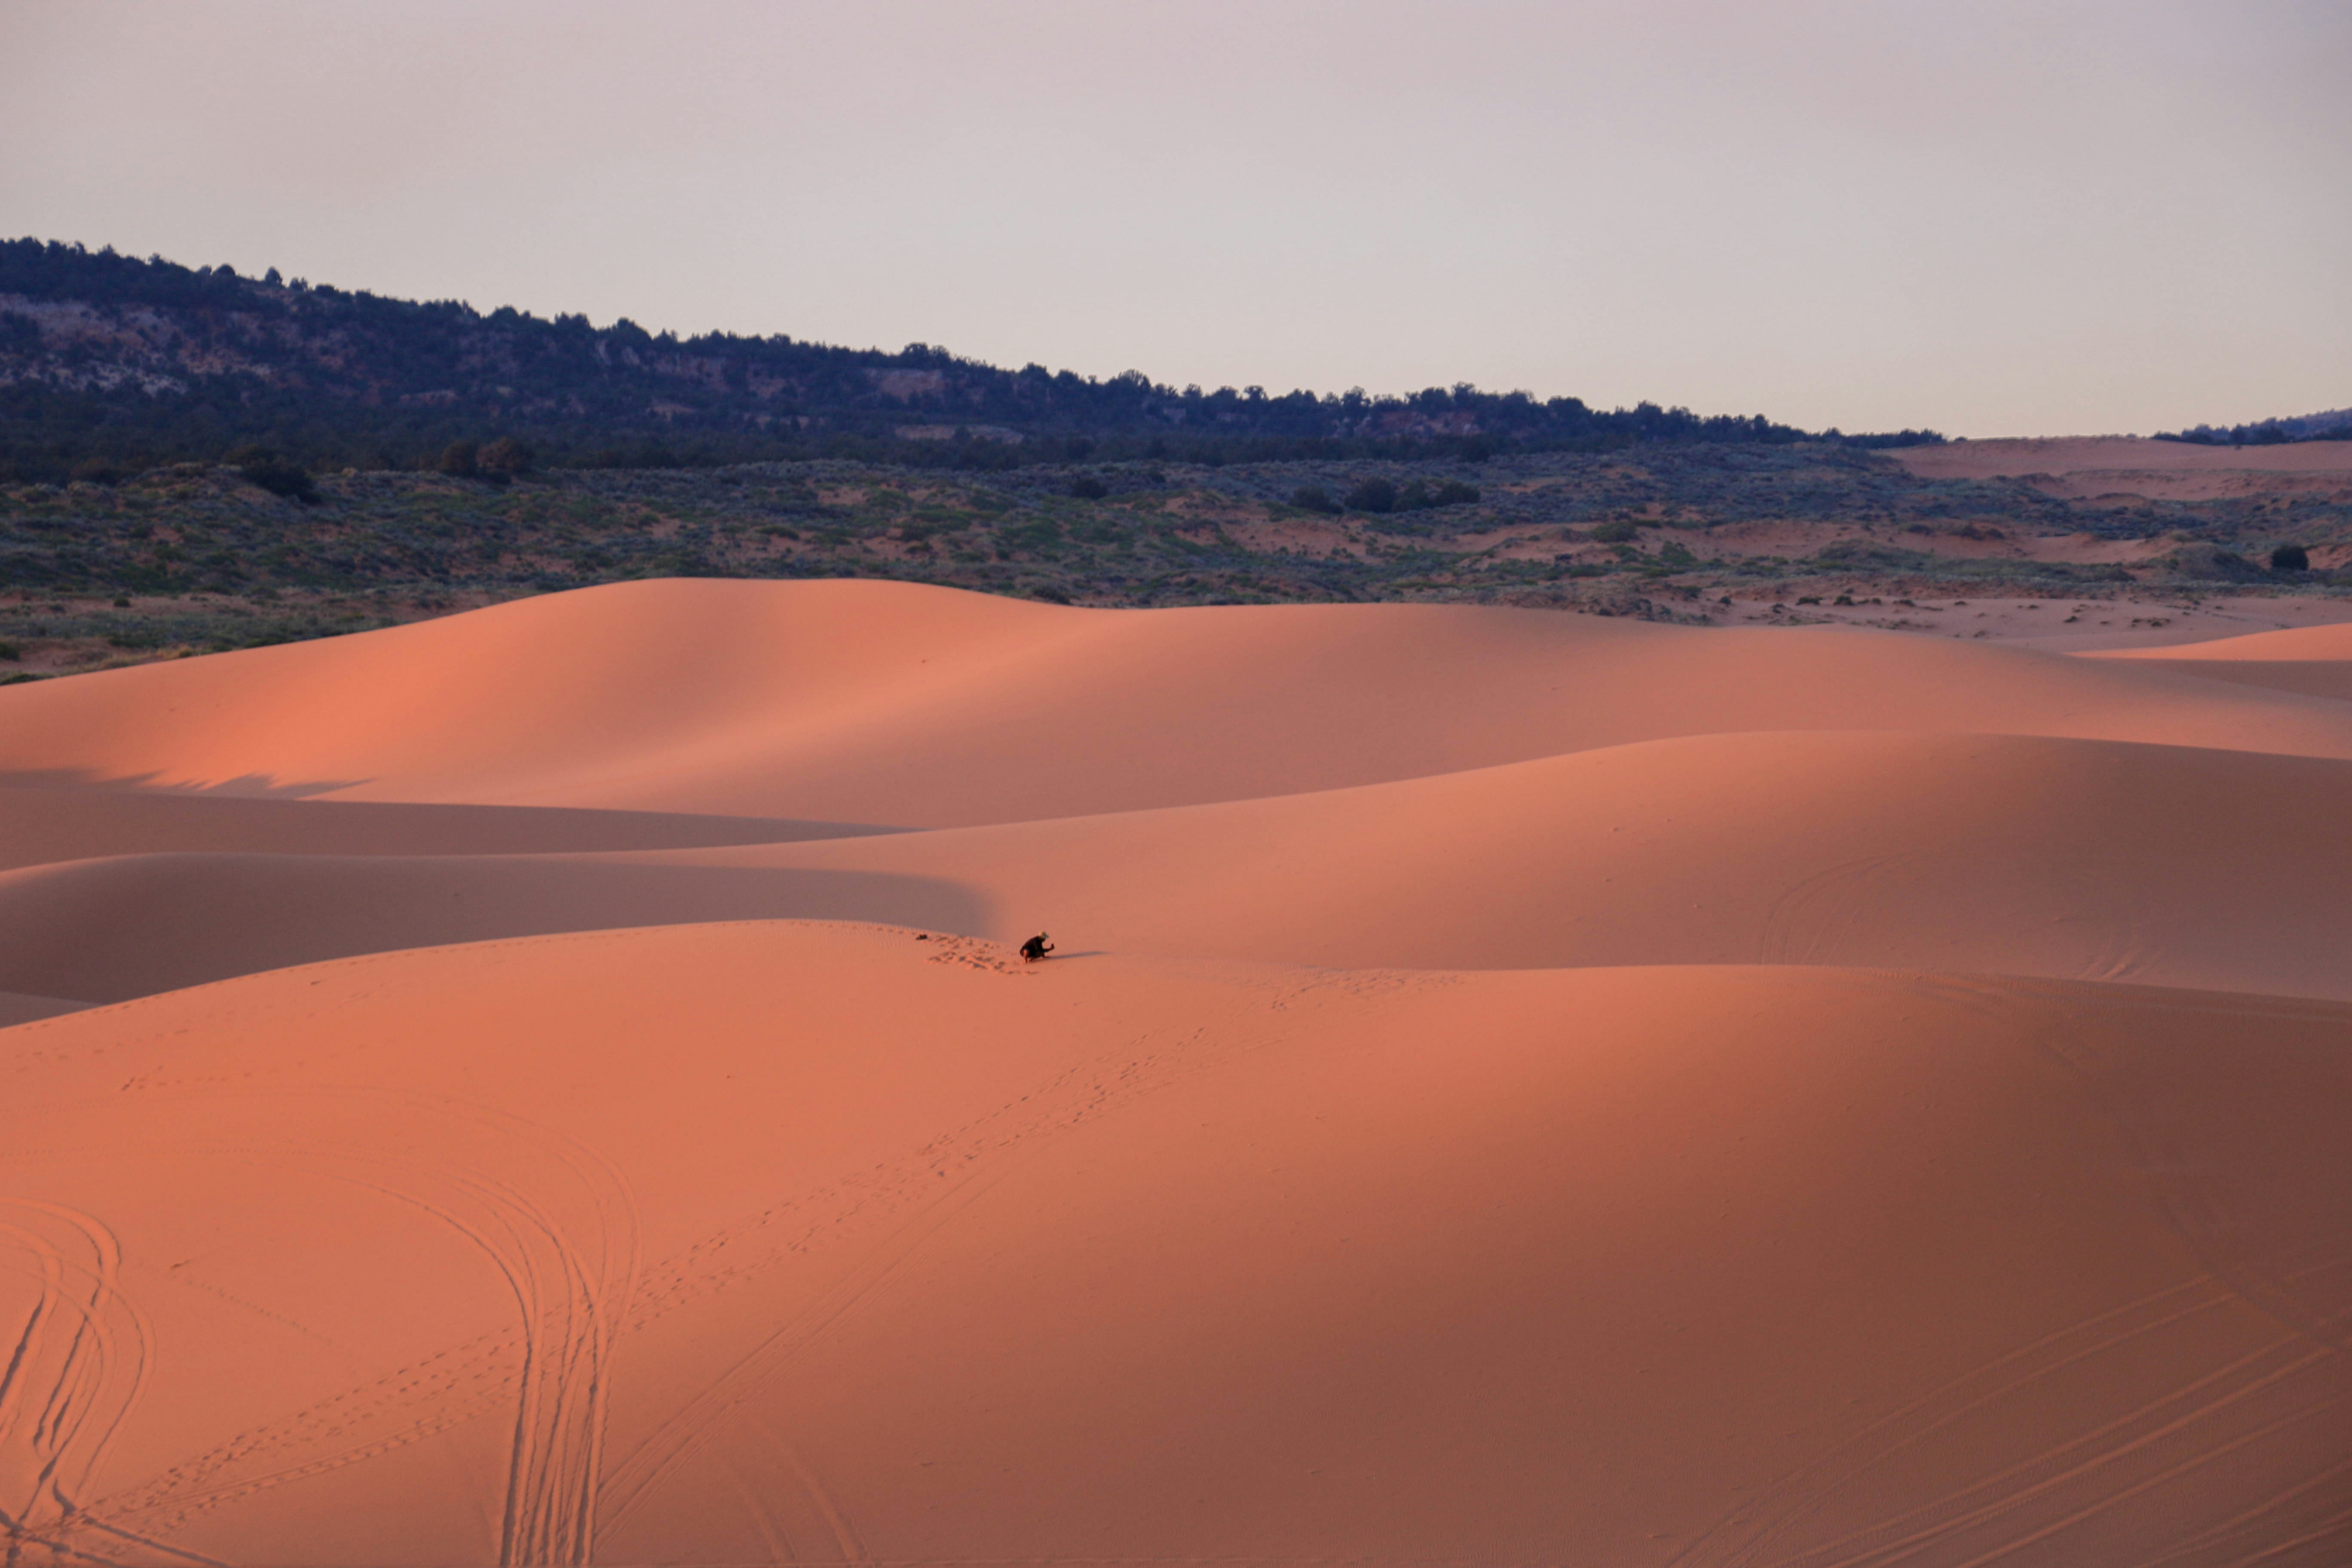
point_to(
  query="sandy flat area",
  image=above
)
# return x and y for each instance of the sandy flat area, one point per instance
(2002, 459)
(2139, 620)
(555, 1085)
(2088, 467)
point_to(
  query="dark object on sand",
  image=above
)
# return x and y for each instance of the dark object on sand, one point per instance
(1035, 948)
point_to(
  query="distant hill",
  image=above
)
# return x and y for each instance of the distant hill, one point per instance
(109, 364)
(2335, 425)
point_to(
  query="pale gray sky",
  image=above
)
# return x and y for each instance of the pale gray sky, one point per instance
(1994, 217)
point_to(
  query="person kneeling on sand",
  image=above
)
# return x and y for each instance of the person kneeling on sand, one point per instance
(1035, 948)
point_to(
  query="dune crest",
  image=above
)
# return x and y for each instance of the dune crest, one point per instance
(864, 701)
(2313, 661)
(2294, 644)
(1855, 849)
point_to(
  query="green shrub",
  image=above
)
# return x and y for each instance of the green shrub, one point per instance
(1616, 531)
(1086, 487)
(504, 456)
(265, 468)
(1374, 494)
(2290, 558)
(1043, 536)
(1420, 496)
(1313, 497)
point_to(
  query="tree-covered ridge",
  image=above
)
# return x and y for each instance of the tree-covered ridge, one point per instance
(2335, 425)
(108, 363)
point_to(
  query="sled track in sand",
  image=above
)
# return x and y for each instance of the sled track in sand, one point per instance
(2286, 1368)
(76, 1365)
(552, 1361)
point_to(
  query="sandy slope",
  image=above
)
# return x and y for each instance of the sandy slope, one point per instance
(2330, 679)
(15, 1008)
(40, 826)
(906, 1254)
(2290, 645)
(2070, 860)
(893, 703)
(2084, 625)
(2315, 661)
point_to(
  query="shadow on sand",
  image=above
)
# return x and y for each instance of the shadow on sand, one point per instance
(113, 929)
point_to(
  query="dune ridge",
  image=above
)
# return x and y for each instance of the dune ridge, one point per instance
(1774, 849)
(2313, 661)
(864, 701)
(2303, 645)
(1512, 1088)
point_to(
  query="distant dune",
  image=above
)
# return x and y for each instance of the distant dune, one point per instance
(2315, 661)
(555, 1085)
(879, 702)
(2296, 645)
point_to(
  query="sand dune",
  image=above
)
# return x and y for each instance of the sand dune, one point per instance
(2292, 645)
(2316, 661)
(1514, 1088)
(2328, 678)
(907, 1255)
(2069, 860)
(41, 826)
(105, 931)
(15, 1008)
(894, 703)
